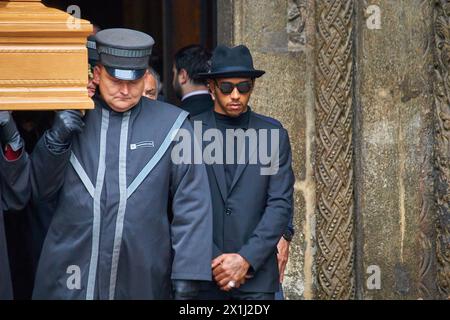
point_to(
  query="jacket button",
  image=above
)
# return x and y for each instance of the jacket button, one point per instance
(228, 212)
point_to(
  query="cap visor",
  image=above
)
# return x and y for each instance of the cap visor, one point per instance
(125, 74)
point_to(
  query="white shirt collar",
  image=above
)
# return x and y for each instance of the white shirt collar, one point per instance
(195, 93)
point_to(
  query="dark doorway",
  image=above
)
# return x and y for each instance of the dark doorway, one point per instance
(172, 23)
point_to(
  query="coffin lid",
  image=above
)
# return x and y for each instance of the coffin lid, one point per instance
(32, 18)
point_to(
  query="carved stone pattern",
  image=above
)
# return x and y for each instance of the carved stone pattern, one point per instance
(441, 28)
(426, 286)
(334, 168)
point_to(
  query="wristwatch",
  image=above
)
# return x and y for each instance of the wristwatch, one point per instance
(288, 235)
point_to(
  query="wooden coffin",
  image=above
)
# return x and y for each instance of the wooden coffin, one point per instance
(43, 58)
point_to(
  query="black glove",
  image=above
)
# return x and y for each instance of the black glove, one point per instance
(66, 124)
(185, 289)
(9, 135)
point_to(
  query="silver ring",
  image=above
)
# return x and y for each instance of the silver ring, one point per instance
(232, 284)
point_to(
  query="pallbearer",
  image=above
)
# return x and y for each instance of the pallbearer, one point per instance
(129, 224)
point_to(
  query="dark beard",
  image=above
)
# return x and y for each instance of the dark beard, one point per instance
(177, 90)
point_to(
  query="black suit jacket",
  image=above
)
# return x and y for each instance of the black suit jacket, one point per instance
(197, 104)
(250, 217)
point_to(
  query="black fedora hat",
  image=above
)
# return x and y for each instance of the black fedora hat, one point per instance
(234, 62)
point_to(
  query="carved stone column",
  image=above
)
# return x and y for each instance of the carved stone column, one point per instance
(334, 167)
(43, 58)
(442, 142)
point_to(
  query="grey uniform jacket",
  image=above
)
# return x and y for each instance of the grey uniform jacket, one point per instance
(250, 217)
(15, 193)
(112, 236)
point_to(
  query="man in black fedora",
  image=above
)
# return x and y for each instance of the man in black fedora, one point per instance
(129, 222)
(252, 203)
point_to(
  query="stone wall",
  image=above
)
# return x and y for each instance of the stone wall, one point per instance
(394, 147)
(362, 87)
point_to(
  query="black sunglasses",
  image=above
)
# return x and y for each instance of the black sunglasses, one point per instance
(228, 87)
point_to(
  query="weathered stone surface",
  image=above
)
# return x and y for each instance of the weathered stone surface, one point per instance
(394, 104)
(393, 133)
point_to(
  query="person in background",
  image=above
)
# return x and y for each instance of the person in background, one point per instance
(283, 254)
(26, 229)
(192, 92)
(152, 87)
(14, 189)
(93, 60)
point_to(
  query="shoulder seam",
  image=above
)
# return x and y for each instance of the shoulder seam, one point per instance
(267, 119)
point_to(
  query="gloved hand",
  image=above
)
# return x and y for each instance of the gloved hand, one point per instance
(65, 125)
(9, 135)
(185, 289)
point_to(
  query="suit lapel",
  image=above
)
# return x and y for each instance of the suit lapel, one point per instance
(253, 148)
(218, 169)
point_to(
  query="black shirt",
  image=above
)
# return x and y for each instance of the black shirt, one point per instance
(223, 123)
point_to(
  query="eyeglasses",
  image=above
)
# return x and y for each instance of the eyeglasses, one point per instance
(228, 87)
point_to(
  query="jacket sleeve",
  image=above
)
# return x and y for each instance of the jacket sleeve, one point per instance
(47, 171)
(290, 228)
(275, 218)
(15, 177)
(191, 226)
(216, 252)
